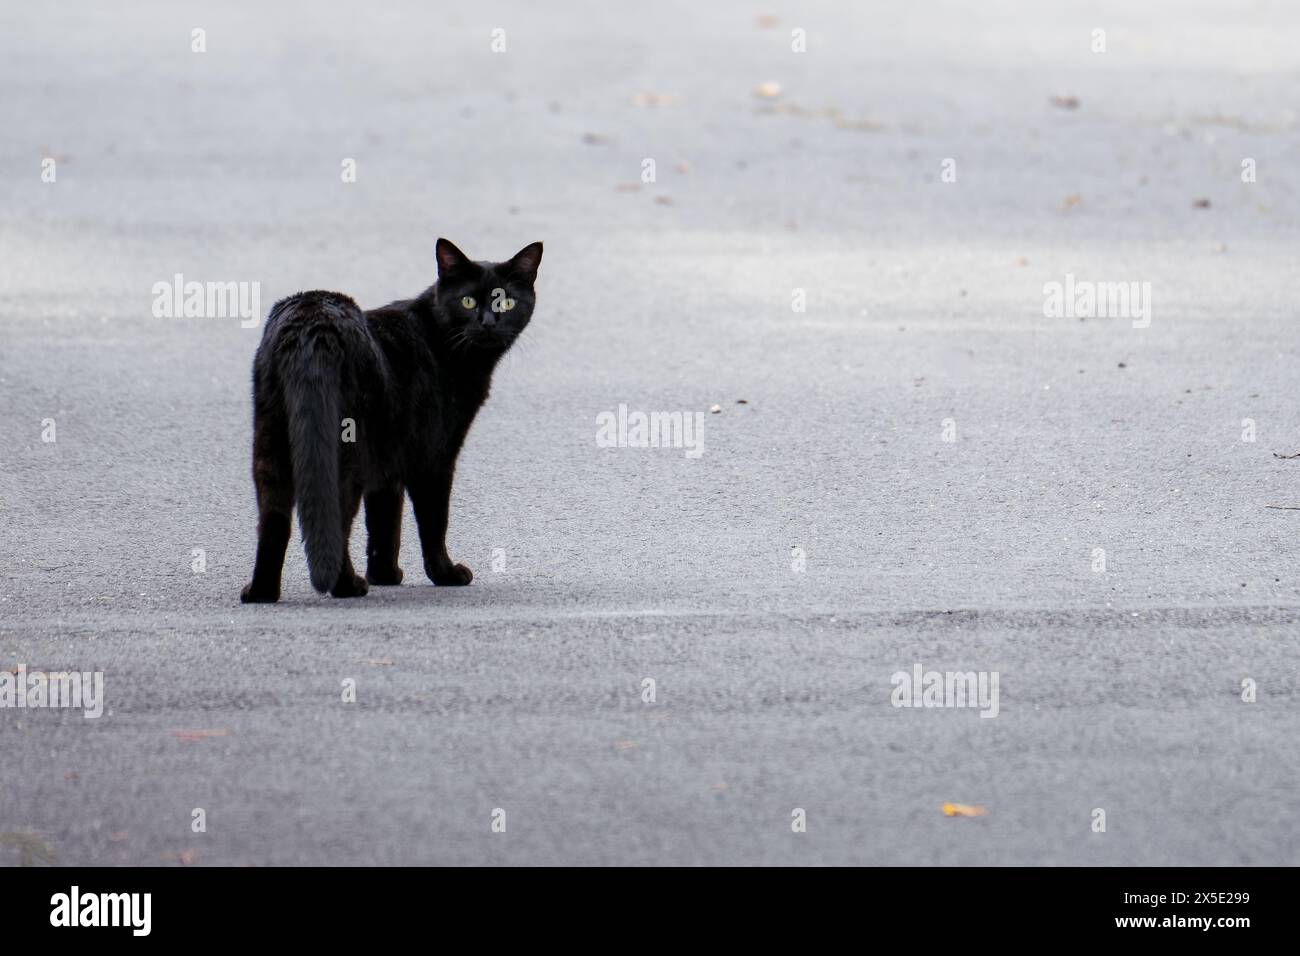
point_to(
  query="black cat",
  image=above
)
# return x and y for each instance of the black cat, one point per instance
(349, 404)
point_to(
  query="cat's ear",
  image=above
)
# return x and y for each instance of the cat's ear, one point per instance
(450, 259)
(526, 261)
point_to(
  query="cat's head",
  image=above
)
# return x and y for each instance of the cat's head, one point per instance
(485, 304)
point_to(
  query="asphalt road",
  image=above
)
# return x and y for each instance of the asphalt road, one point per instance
(598, 568)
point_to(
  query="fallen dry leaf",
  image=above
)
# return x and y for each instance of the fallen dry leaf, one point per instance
(765, 21)
(769, 90)
(190, 736)
(962, 810)
(653, 99)
(1066, 102)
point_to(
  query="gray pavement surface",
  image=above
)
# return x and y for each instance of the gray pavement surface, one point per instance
(1120, 689)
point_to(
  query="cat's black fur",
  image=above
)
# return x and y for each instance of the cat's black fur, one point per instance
(411, 376)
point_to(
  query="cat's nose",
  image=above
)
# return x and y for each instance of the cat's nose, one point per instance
(488, 319)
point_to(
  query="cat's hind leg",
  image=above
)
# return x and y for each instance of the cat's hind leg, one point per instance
(349, 584)
(273, 477)
(384, 535)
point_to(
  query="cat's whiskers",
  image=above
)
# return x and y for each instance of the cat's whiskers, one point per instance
(521, 345)
(460, 336)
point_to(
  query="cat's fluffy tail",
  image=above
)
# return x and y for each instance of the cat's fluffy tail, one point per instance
(311, 390)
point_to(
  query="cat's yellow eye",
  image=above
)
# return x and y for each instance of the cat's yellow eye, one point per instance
(508, 304)
(468, 302)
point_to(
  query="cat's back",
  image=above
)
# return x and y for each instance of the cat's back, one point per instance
(395, 328)
(315, 323)
(317, 310)
(392, 322)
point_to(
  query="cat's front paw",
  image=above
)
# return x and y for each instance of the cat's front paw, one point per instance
(384, 577)
(349, 585)
(450, 575)
(251, 595)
